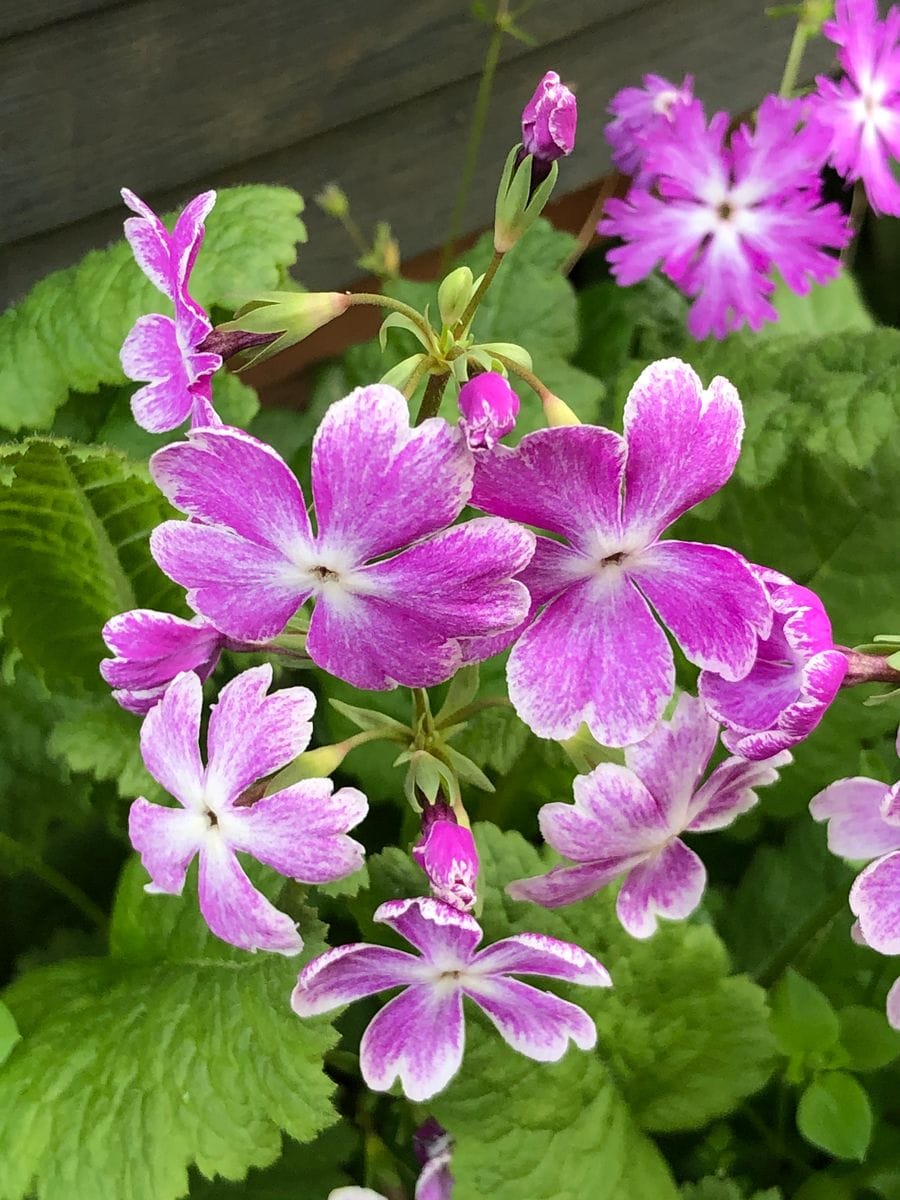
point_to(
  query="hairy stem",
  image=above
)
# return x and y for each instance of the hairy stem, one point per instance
(416, 378)
(540, 389)
(486, 280)
(376, 298)
(818, 920)
(35, 864)
(431, 401)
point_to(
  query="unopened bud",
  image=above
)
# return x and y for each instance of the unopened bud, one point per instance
(333, 201)
(489, 409)
(557, 412)
(454, 294)
(548, 124)
(446, 853)
(288, 317)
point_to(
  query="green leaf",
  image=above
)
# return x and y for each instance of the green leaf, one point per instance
(9, 1033)
(98, 738)
(317, 1167)
(715, 1188)
(834, 1114)
(867, 1038)
(66, 334)
(803, 1020)
(833, 307)
(74, 528)
(176, 1049)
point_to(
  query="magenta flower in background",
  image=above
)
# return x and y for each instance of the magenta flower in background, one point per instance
(797, 674)
(641, 116)
(300, 831)
(446, 853)
(434, 1150)
(419, 1035)
(250, 558)
(489, 409)
(162, 350)
(627, 821)
(596, 653)
(861, 111)
(721, 217)
(549, 120)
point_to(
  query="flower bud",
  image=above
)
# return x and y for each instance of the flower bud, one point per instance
(548, 122)
(454, 294)
(557, 412)
(446, 853)
(489, 409)
(284, 317)
(333, 201)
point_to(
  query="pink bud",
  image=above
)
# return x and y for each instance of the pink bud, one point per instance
(489, 409)
(549, 120)
(446, 853)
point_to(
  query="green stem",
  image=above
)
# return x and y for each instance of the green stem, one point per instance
(540, 389)
(36, 865)
(794, 59)
(415, 379)
(431, 401)
(778, 962)
(589, 229)
(476, 129)
(472, 710)
(357, 298)
(486, 280)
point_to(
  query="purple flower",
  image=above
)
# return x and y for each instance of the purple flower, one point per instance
(489, 409)
(163, 351)
(300, 831)
(642, 115)
(419, 1035)
(596, 652)
(721, 217)
(434, 1149)
(861, 112)
(251, 559)
(150, 649)
(628, 821)
(549, 119)
(796, 676)
(447, 855)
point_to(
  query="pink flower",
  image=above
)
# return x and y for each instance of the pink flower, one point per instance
(434, 1150)
(628, 821)
(641, 116)
(447, 855)
(549, 120)
(250, 558)
(489, 409)
(796, 676)
(163, 351)
(722, 217)
(861, 112)
(419, 1036)
(596, 652)
(301, 831)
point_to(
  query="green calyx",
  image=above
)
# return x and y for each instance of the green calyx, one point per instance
(292, 316)
(518, 206)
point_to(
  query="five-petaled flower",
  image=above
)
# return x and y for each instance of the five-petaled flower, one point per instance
(863, 818)
(596, 653)
(797, 674)
(628, 820)
(162, 350)
(641, 115)
(719, 217)
(861, 111)
(300, 831)
(419, 1035)
(250, 558)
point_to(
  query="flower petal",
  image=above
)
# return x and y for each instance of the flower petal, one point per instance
(669, 885)
(710, 600)
(170, 738)
(671, 758)
(301, 831)
(252, 734)
(731, 790)
(234, 910)
(151, 648)
(379, 484)
(596, 655)
(683, 443)
(347, 973)
(875, 900)
(151, 352)
(567, 885)
(536, 1024)
(856, 826)
(614, 816)
(893, 1005)
(537, 954)
(167, 840)
(418, 1038)
(446, 937)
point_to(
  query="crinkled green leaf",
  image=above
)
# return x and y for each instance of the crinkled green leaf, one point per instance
(311, 1170)
(66, 334)
(97, 738)
(834, 1114)
(176, 1049)
(832, 307)
(74, 528)
(9, 1033)
(715, 1188)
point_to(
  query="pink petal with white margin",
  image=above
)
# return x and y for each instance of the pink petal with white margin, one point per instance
(301, 831)
(232, 907)
(535, 1023)
(170, 741)
(435, 1181)
(567, 885)
(567, 480)
(875, 900)
(151, 352)
(683, 444)
(537, 954)
(856, 826)
(893, 1005)
(709, 599)
(246, 590)
(347, 973)
(251, 735)
(614, 816)
(224, 476)
(671, 884)
(670, 760)
(418, 1037)
(153, 647)
(379, 484)
(730, 791)
(446, 937)
(595, 654)
(167, 840)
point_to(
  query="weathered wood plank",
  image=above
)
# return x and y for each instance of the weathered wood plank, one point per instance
(162, 91)
(22, 16)
(403, 165)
